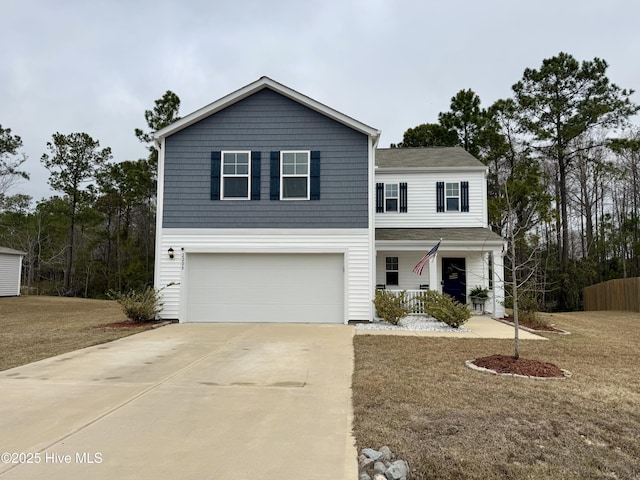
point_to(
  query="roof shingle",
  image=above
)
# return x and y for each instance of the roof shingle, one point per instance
(425, 157)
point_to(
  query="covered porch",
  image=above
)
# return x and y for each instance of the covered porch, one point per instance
(467, 258)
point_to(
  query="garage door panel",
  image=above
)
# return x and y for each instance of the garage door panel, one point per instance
(307, 288)
(268, 314)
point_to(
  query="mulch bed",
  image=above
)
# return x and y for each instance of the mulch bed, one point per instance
(521, 366)
(530, 326)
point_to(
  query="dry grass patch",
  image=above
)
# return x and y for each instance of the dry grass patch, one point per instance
(449, 422)
(34, 327)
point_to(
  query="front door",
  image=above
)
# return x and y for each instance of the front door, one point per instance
(454, 278)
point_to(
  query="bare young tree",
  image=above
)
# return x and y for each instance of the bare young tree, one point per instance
(10, 162)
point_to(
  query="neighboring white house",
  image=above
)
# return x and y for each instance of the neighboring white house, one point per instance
(10, 271)
(273, 207)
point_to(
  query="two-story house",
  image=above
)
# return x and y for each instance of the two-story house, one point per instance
(268, 211)
(426, 196)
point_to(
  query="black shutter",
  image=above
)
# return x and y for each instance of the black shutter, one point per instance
(275, 176)
(464, 187)
(314, 179)
(439, 196)
(215, 175)
(255, 175)
(379, 197)
(403, 197)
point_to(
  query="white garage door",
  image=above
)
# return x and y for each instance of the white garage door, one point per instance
(236, 287)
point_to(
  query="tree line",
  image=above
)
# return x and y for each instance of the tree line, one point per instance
(97, 234)
(563, 160)
(562, 154)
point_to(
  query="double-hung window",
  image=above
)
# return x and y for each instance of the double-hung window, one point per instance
(295, 175)
(391, 197)
(452, 197)
(392, 270)
(236, 174)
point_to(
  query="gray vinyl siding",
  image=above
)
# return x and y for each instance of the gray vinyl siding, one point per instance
(265, 122)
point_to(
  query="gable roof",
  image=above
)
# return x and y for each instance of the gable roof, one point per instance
(428, 157)
(11, 251)
(248, 90)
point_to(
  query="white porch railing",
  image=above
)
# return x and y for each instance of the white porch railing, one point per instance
(413, 302)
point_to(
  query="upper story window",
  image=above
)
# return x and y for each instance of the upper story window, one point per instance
(295, 175)
(236, 172)
(452, 197)
(391, 197)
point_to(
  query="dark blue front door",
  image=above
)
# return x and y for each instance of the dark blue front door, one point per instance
(454, 278)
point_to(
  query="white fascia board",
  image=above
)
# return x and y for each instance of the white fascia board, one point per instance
(479, 168)
(11, 251)
(248, 90)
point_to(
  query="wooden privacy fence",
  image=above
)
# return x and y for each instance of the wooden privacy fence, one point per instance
(619, 294)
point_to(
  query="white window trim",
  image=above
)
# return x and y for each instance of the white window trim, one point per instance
(397, 270)
(397, 197)
(223, 176)
(446, 197)
(307, 175)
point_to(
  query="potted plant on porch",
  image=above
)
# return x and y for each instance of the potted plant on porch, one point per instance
(479, 296)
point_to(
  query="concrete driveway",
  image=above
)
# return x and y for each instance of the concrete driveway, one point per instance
(186, 401)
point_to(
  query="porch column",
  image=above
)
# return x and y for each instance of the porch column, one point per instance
(498, 283)
(433, 274)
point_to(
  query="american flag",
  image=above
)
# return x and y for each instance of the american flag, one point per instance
(423, 261)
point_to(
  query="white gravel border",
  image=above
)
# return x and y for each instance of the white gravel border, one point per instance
(418, 323)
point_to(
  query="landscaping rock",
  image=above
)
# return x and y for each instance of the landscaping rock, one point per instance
(380, 463)
(387, 454)
(397, 471)
(371, 453)
(366, 463)
(379, 467)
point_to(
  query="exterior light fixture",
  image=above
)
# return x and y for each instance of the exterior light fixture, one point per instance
(170, 252)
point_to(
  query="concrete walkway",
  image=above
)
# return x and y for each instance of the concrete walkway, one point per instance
(479, 326)
(188, 402)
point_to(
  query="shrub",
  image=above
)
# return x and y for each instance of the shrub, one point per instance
(445, 309)
(139, 306)
(527, 309)
(391, 306)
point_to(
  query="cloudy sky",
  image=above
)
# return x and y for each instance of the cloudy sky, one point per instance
(94, 66)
